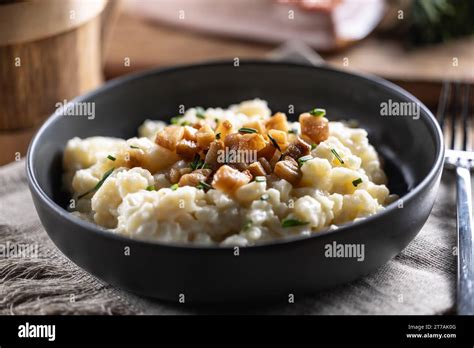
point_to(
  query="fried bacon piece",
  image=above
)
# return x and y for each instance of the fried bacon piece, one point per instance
(257, 125)
(314, 127)
(289, 170)
(256, 169)
(187, 149)
(176, 173)
(205, 136)
(228, 179)
(169, 136)
(195, 178)
(280, 137)
(212, 155)
(224, 128)
(298, 148)
(278, 122)
(189, 133)
(265, 164)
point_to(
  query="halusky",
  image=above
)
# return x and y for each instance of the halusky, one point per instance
(235, 176)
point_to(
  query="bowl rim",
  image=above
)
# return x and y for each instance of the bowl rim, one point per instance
(428, 118)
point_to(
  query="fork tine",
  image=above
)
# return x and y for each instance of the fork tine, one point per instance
(443, 102)
(454, 111)
(464, 115)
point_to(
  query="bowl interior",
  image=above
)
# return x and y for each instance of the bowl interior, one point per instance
(409, 145)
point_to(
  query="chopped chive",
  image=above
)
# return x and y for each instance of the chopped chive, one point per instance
(185, 123)
(196, 163)
(135, 147)
(357, 182)
(293, 131)
(151, 188)
(218, 136)
(247, 225)
(318, 112)
(264, 197)
(99, 184)
(203, 186)
(337, 156)
(274, 142)
(200, 112)
(247, 130)
(110, 157)
(303, 159)
(174, 187)
(175, 120)
(313, 146)
(260, 178)
(292, 223)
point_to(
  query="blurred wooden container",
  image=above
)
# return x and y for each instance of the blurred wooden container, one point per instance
(50, 50)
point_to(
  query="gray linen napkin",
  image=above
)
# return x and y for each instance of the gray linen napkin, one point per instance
(421, 280)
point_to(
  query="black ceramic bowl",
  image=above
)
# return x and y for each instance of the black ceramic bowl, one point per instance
(412, 150)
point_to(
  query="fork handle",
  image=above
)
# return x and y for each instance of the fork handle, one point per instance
(465, 291)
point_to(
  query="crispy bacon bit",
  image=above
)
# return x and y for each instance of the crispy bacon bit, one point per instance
(252, 142)
(280, 137)
(314, 127)
(257, 125)
(275, 158)
(232, 141)
(212, 155)
(288, 169)
(176, 173)
(224, 128)
(228, 179)
(187, 149)
(256, 169)
(268, 151)
(265, 164)
(205, 136)
(298, 148)
(278, 121)
(169, 136)
(194, 178)
(189, 133)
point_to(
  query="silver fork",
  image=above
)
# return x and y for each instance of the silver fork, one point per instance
(460, 158)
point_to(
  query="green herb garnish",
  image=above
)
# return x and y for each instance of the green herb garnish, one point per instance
(174, 187)
(260, 178)
(175, 120)
(247, 225)
(303, 159)
(110, 157)
(151, 188)
(313, 146)
(357, 182)
(197, 163)
(99, 184)
(247, 130)
(203, 186)
(135, 147)
(318, 112)
(293, 131)
(292, 223)
(274, 142)
(185, 123)
(334, 152)
(200, 112)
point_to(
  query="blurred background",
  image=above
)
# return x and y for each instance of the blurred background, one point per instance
(54, 50)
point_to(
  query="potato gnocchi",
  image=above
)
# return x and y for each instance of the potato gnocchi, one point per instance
(234, 176)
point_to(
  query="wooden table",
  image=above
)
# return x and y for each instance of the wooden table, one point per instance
(148, 45)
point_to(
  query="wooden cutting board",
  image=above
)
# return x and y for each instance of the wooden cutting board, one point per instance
(148, 44)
